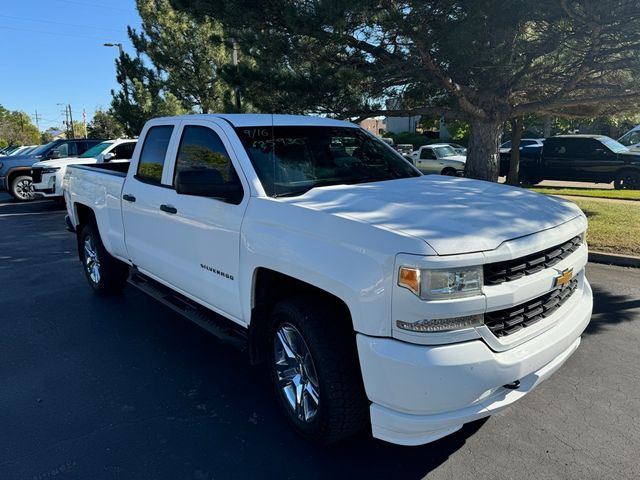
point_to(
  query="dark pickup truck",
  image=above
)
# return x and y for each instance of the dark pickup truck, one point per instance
(583, 158)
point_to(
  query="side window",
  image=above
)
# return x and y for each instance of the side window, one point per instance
(124, 151)
(63, 150)
(153, 153)
(202, 153)
(557, 149)
(427, 154)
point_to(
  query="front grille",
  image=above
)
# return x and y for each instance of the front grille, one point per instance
(510, 320)
(36, 175)
(500, 272)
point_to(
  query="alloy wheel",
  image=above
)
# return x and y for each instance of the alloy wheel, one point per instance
(296, 374)
(91, 260)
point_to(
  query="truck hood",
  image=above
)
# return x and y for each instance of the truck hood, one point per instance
(452, 215)
(60, 162)
(455, 158)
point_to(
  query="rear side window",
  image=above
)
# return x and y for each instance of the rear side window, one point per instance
(153, 153)
(201, 149)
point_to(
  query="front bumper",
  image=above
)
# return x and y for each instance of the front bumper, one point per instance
(47, 187)
(422, 393)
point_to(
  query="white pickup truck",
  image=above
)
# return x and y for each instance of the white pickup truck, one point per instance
(373, 293)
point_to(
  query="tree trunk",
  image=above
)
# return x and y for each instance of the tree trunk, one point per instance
(483, 152)
(517, 126)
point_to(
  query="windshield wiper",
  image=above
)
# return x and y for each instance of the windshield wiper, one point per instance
(302, 191)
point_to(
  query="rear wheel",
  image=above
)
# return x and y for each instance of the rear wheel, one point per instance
(450, 172)
(627, 180)
(21, 188)
(105, 274)
(315, 371)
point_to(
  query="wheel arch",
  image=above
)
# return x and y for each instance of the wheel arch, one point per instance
(270, 287)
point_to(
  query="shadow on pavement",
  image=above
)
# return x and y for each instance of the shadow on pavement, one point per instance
(610, 309)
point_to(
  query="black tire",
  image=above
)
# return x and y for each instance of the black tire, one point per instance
(627, 180)
(21, 188)
(449, 172)
(342, 409)
(526, 181)
(105, 274)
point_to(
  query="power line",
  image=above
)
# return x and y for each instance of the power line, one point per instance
(93, 27)
(96, 5)
(60, 34)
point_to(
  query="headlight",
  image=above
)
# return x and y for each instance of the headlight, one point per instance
(50, 170)
(442, 284)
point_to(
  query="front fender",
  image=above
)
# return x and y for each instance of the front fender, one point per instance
(349, 259)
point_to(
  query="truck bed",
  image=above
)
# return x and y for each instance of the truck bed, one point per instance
(98, 187)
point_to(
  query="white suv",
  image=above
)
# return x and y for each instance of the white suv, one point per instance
(47, 175)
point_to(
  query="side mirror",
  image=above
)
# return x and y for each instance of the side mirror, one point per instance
(108, 156)
(208, 183)
(53, 154)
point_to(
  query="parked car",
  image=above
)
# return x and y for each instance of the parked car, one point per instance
(439, 158)
(375, 295)
(524, 142)
(631, 139)
(23, 150)
(585, 158)
(460, 149)
(47, 175)
(15, 171)
(405, 149)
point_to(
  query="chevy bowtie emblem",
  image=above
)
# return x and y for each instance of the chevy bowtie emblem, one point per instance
(564, 278)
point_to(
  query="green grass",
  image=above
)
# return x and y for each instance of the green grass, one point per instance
(614, 227)
(590, 192)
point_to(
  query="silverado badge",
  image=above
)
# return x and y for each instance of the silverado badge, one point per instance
(564, 278)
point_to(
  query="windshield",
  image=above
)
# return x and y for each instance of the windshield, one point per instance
(630, 138)
(96, 150)
(292, 160)
(614, 146)
(42, 148)
(444, 152)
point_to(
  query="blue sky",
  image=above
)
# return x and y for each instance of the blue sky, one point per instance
(51, 51)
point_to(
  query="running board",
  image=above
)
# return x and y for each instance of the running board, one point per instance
(221, 327)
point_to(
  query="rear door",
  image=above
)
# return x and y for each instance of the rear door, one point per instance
(142, 195)
(200, 235)
(558, 158)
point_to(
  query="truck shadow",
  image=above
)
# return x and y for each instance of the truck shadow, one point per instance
(234, 426)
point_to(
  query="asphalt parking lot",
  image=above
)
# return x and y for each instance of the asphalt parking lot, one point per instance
(123, 388)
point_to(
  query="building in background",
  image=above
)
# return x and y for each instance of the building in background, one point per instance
(375, 125)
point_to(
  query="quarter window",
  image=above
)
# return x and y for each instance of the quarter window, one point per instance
(153, 153)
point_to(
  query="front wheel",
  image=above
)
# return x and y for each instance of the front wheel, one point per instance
(315, 371)
(21, 188)
(449, 172)
(105, 274)
(627, 180)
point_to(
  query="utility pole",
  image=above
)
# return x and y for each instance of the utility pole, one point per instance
(84, 121)
(73, 134)
(37, 117)
(234, 62)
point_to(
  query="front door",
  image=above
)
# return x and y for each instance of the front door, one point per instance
(428, 162)
(200, 235)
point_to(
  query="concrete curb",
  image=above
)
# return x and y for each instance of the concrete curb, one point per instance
(614, 259)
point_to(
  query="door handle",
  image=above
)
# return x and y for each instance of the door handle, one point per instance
(128, 198)
(168, 209)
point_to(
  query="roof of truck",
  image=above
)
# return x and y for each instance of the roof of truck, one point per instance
(267, 119)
